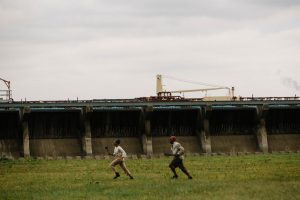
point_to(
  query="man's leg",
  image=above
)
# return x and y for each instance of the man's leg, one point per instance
(173, 166)
(123, 166)
(113, 165)
(183, 169)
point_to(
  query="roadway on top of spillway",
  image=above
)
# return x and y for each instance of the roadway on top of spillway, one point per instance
(137, 103)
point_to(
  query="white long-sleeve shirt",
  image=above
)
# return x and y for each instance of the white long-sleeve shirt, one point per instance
(176, 148)
(119, 152)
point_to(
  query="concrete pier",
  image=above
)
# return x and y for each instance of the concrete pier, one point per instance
(26, 147)
(87, 135)
(261, 132)
(204, 133)
(24, 115)
(147, 139)
(146, 136)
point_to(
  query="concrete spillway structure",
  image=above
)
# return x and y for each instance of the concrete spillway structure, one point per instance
(55, 129)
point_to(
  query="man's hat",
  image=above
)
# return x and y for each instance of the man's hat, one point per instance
(172, 138)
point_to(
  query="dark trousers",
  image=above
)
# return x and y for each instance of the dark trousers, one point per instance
(177, 162)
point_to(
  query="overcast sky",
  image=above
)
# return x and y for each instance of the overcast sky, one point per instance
(91, 49)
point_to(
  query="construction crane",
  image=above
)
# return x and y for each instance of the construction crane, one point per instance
(7, 93)
(160, 91)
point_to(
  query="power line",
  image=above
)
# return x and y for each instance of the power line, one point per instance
(191, 82)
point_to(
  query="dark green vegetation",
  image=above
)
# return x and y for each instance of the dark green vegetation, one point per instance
(218, 177)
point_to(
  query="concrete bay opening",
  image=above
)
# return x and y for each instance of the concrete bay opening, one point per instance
(233, 129)
(109, 125)
(55, 133)
(182, 123)
(10, 134)
(283, 127)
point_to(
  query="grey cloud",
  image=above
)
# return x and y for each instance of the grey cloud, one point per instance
(74, 45)
(107, 10)
(60, 21)
(275, 3)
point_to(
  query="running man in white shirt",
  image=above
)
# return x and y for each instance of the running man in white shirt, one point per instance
(120, 156)
(177, 152)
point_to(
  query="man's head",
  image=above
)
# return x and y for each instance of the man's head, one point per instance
(172, 139)
(117, 142)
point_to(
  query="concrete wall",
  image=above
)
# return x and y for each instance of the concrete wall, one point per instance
(191, 144)
(55, 147)
(132, 145)
(284, 142)
(9, 147)
(234, 143)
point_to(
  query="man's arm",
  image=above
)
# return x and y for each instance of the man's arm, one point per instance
(180, 151)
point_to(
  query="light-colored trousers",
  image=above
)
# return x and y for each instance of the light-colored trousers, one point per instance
(121, 162)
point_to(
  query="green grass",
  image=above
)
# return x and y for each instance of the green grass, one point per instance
(218, 177)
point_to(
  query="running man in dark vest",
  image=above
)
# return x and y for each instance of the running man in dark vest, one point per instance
(177, 152)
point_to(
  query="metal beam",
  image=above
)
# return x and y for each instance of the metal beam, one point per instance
(70, 105)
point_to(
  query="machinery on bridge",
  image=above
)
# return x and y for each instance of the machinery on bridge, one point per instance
(161, 93)
(164, 95)
(6, 95)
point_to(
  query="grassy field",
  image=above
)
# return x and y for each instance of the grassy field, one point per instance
(218, 177)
